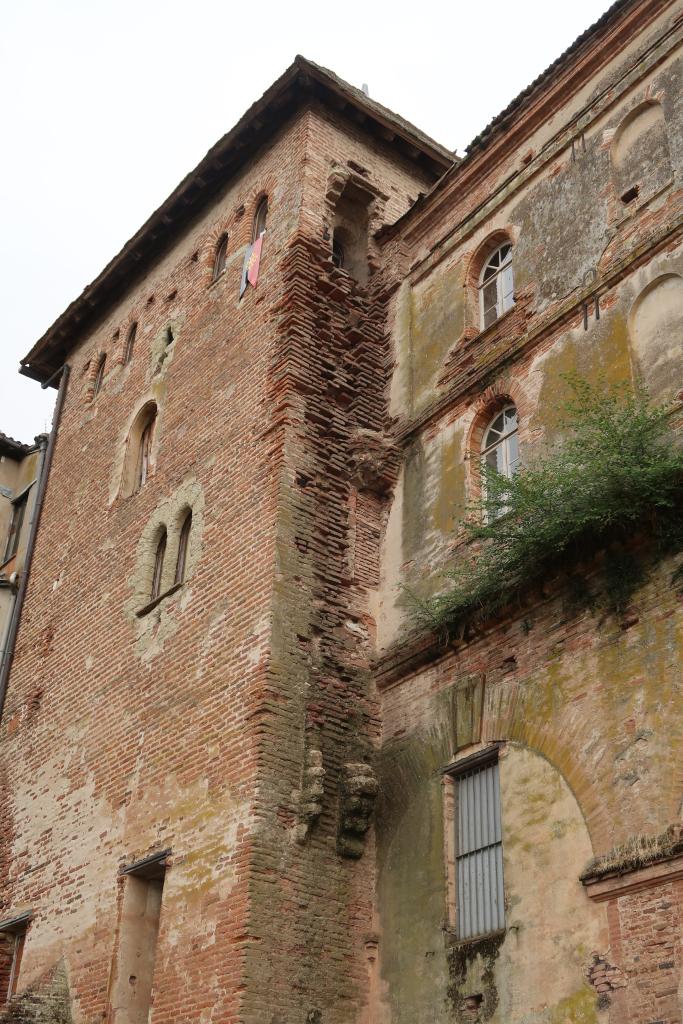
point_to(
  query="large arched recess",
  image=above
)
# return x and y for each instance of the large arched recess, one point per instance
(536, 968)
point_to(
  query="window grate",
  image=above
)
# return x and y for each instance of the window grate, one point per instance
(480, 894)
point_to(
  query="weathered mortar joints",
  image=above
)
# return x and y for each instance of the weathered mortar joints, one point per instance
(368, 826)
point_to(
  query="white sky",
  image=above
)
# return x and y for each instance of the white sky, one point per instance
(107, 104)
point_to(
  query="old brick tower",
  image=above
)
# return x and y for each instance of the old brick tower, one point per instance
(240, 780)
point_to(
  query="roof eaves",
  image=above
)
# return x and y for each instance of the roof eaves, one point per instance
(196, 189)
(15, 449)
(502, 120)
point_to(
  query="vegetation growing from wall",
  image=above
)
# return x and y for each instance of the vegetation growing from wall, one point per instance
(638, 852)
(614, 474)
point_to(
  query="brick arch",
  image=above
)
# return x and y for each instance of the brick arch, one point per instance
(209, 248)
(478, 258)
(99, 358)
(491, 400)
(509, 726)
(147, 414)
(474, 264)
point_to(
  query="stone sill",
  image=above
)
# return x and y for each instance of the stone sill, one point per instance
(453, 940)
(157, 600)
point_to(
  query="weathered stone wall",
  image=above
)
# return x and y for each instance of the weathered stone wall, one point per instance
(257, 718)
(229, 723)
(586, 704)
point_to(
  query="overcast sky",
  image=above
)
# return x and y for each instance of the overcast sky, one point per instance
(107, 104)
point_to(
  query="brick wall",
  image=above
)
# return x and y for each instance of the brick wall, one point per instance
(186, 728)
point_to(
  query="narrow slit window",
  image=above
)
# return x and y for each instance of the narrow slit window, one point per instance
(480, 898)
(144, 454)
(220, 258)
(181, 562)
(260, 218)
(496, 286)
(15, 526)
(158, 573)
(99, 375)
(130, 343)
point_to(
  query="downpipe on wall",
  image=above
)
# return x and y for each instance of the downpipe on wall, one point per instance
(43, 476)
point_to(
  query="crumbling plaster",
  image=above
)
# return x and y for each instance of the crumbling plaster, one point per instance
(549, 920)
(571, 195)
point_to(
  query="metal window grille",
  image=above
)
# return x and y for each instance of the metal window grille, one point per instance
(479, 856)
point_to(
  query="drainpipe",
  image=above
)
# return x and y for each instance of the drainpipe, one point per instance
(43, 474)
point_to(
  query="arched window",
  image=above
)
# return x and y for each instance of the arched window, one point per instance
(220, 257)
(99, 375)
(500, 452)
(137, 462)
(158, 567)
(496, 286)
(144, 452)
(182, 548)
(260, 218)
(130, 343)
(500, 444)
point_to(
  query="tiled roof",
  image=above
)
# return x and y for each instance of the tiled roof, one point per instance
(301, 82)
(8, 446)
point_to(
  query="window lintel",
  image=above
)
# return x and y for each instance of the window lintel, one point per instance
(479, 759)
(18, 923)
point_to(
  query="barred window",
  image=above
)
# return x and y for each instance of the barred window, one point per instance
(480, 902)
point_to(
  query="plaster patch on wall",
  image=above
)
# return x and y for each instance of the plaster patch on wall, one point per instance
(155, 627)
(656, 329)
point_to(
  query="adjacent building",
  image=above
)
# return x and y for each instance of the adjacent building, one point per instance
(242, 781)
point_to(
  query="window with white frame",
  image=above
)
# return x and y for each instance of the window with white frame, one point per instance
(480, 895)
(496, 286)
(500, 445)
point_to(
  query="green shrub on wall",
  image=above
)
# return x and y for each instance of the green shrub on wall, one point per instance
(615, 473)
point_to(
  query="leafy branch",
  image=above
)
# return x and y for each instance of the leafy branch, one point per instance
(614, 472)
